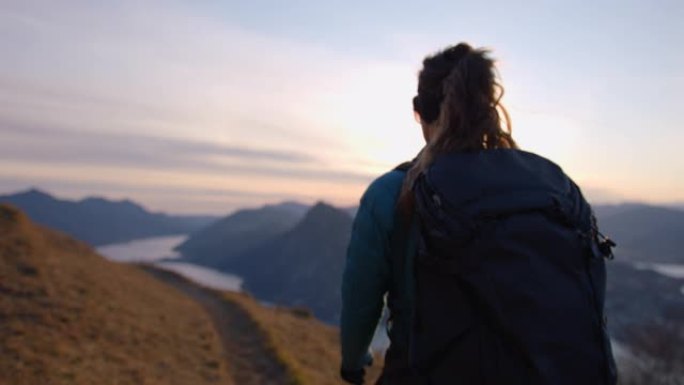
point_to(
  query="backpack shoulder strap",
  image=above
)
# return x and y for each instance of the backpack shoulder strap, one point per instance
(401, 225)
(404, 166)
(398, 244)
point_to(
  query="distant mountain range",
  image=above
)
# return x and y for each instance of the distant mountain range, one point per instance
(294, 254)
(99, 221)
(224, 240)
(295, 260)
(644, 233)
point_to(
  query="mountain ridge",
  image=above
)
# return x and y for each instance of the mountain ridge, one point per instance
(303, 266)
(644, 233)
(227, 238)
(99, 221)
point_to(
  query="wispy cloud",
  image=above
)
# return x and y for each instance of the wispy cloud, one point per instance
(95, 92)
(32, 145)
(28, 143)
(190, 96)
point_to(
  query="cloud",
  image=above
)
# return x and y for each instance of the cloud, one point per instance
(145, 97)
(31, 145)
(141, 92)
(172, 70)
(59, 140)
(142, 62)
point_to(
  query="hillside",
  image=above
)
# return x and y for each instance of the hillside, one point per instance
(99, 221)
(70, 317)
(302, 267)
(644, 233)
(220, 243)
(309, 347)
(306, 349)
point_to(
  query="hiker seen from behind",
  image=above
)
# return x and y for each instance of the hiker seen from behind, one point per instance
(488, 257)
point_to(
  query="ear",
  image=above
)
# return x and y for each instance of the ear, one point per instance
(427, 131)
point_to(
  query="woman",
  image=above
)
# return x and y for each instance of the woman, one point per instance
(467, 336)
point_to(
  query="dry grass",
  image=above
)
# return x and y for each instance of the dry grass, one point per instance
(67, 316)
(250, 356)
(308, 347)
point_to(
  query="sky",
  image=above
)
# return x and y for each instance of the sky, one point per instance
(208, 106)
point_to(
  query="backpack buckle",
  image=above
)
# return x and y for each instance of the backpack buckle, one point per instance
(605, 245)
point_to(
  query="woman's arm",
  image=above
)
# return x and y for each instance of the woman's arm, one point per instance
(367, 274)
(364, 285)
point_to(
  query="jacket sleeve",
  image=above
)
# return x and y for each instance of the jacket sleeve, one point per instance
(365, 282)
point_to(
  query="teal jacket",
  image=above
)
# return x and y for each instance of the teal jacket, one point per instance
(368, 274)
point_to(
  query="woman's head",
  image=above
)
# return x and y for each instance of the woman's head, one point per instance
(458, 105)
(458, 101)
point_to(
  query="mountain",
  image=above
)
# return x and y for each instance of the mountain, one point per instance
(644, 233)
(68, 316)
(99, 221)
(302, 267)
(219, 243)
(605, 211)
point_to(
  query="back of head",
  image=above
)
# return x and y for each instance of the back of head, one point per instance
(459, 105)
(459, 96)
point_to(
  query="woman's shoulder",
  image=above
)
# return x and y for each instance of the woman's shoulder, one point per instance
(380, 198)
(386, 186)
(388, 183)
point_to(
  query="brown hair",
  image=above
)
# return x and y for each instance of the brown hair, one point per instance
(459, 101)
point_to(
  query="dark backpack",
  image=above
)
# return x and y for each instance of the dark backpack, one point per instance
(509, 276)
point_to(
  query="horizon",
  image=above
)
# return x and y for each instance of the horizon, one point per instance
(671, 206)
(40, 191)
(212, 106)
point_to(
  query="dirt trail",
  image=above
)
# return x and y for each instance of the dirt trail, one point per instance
(248, 358)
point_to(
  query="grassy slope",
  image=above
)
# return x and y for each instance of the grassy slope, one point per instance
(250, 357)
(307, 346)
(67, 316)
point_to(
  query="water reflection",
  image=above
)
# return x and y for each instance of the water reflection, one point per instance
(143, 250)
(159, 251)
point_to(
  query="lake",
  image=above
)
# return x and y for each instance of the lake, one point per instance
(159, 252)
(671, 270)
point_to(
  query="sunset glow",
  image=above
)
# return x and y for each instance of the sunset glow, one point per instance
(209, 106)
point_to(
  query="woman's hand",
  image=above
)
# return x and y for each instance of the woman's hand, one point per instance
(353, 376)
(356, 376)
